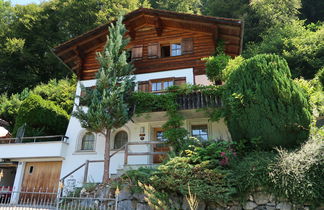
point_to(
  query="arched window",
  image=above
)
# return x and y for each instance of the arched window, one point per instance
(88, 141)
(121, 138)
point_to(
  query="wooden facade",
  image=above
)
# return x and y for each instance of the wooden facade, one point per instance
(153, 33)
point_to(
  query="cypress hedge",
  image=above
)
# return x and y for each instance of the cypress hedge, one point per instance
(262, 101)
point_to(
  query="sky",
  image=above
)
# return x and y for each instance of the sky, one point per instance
(24, 2)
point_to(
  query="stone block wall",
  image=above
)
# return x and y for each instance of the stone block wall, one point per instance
(255, 201)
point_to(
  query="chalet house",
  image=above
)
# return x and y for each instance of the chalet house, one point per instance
(167, 48)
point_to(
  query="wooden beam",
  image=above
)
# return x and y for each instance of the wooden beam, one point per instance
(158, 26)
(82, 42)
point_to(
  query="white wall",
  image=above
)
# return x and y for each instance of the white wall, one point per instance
(32, 150)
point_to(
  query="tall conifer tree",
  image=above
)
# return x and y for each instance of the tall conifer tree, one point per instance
(108, 103)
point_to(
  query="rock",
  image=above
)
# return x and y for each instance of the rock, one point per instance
(272, 199)
(139, 197)
(261, 198)
(250, 205)
(262, 207)
(176, 201)
(236, 208)
(250, 198)
(185, 204)
(284, 206)
(124, 195)
(212, 206)
(270, 207)
(142, 206)
(201, 205)
(125, 205)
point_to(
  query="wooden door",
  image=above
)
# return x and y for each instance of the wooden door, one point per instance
(43, 176)
(158, 136)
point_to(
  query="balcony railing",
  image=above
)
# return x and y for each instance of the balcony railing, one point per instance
(198, 100)
(34, 139)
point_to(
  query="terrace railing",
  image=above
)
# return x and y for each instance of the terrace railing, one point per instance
(197, 100)
(34, 139)
(126, 156)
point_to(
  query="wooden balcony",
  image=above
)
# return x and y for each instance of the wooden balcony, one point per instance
(198, 100)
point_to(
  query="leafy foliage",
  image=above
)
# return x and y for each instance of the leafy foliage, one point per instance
(300, 45)
(41, 116)
(299, 175)
(261, 100)
(252, 172)
(215, 66)
(61, 93)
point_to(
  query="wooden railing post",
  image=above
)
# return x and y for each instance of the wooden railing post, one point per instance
(86, 169)
(126, 155)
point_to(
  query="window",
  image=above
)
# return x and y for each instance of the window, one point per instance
(200, 132)
(87, 143)
(175, 49)
(158, 86)
(120, 140)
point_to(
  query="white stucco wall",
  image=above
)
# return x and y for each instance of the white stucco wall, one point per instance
(74, 157)
(33, 150)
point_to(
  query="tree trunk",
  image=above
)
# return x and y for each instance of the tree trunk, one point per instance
(105, 178)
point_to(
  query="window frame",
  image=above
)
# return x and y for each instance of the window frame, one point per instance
(162, 80)
(114, 139)
(81, 143)
(200, 139)
(176, 49)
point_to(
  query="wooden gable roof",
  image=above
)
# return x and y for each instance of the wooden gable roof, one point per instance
(72, 52)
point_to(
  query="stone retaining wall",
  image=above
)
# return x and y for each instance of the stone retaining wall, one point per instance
(255, 201)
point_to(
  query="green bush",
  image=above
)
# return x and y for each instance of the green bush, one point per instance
(211, 154)
(211, 185)
(301, 45)
(261, 100)
(298, 175)
(41, 116)
(215, 66)
(251, 172)
(61, 92)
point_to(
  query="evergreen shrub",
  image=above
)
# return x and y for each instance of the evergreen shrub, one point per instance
(41, 116)
(261, 100)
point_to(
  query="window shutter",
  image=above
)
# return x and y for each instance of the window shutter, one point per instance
(179, 81)
(143, 86)
(187, 45)
(153, 50)
(137, 52)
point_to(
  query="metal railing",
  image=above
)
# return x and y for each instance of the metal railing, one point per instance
(126, 155)
(34, 139)
(41, 198)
